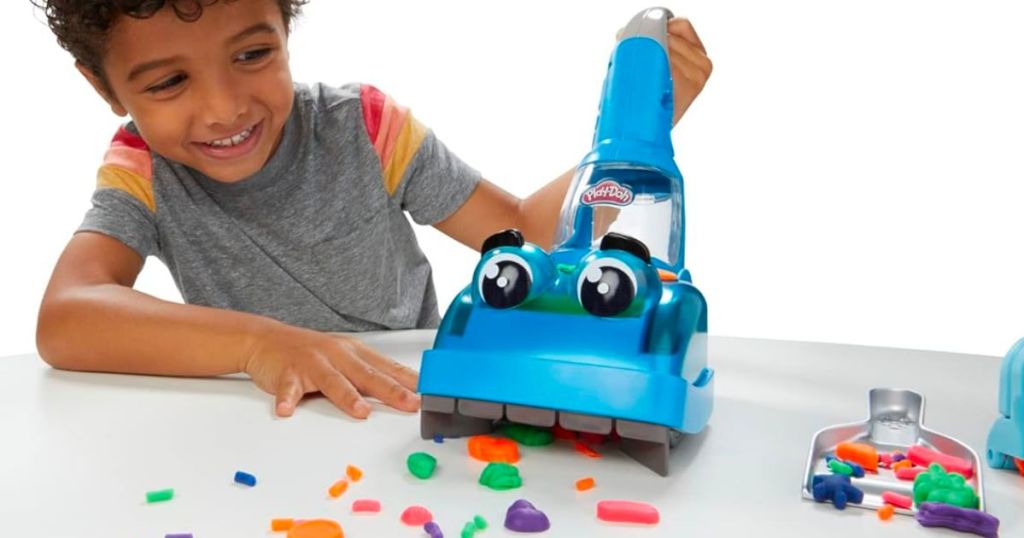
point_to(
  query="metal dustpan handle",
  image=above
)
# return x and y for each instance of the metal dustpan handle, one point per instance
(895, 416)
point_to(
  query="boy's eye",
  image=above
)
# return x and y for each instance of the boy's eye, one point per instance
(166, 84)
(250, 56)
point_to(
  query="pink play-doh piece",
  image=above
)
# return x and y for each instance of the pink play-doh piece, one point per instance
(924, 457)
(627, 512)
(366, 505)
(897, 500)
(909, 473)
(417, 516)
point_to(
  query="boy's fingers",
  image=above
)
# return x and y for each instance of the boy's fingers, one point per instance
(408, 377)
(289, 392)
(373, 382)
(689, 52)
(340, 392)
(681, 27)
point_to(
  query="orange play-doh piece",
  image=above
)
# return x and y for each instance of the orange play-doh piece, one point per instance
(338, 488)
(582, 448)
(281, 524)
(885, 513)
(667, 276)
(584, 484)
(864, 455)
(316, 528)
(902, 464)
(354, 473)
(493, 449)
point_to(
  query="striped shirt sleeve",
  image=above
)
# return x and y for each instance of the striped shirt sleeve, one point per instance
(123, 204)
(429, 180)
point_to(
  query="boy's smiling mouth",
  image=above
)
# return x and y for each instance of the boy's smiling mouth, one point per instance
(232, 147)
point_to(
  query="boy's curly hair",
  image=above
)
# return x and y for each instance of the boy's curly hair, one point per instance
(81, 26)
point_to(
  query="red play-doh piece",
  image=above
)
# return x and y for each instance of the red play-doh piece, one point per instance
(593, 438)
(416, 516)
(909, 473)
(366, 505)
(562, 433)
(493, 449)
(1020, 465)
(897, 500)
(627, 512)
(582, 448)
(924, 457)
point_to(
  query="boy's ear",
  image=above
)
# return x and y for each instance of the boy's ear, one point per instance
(101, 88)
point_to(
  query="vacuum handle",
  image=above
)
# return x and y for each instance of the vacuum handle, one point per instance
(652, 23)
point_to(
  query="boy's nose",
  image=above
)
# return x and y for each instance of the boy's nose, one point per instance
(222, 105)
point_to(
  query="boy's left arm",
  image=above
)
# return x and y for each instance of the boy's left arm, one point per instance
(490, 209)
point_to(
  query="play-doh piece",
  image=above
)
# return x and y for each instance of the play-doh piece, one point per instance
(493, 449)
(179, 535)
(433, 529)
(582, 448)
(864, 455)
(316, 528)
(159, 495)
(593, 438)
(897, 500)
(501, 476)
(856, 470)
(421, 465)
(902, 464)
(924, 457)
(522, 516)
(885, 460)
(836, 488)
(360, 506)
(898, 456)
(281, 524)
(353, 473)
(885, 513)
(627, 512)
(562, 433)
(416, 516)
(958, 519)
(338, 488)
(584, 484)
(1020, 465)
(839, 467)
(528, 435)
(245, 479)
(909, 473)
(468, 530)
(479, 522)
(439, 439)
(938, 486)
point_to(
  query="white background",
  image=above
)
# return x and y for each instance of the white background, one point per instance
(853, 172)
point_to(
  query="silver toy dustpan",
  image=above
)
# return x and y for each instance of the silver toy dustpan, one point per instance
(895, 422)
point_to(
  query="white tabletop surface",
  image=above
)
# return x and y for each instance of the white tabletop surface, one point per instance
(79, 451)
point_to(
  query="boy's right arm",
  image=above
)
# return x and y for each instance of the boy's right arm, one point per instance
(91, 319)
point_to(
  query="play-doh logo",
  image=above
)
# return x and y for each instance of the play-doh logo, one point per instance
(607, 191)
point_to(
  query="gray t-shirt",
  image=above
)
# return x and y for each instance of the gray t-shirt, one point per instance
(318, 237)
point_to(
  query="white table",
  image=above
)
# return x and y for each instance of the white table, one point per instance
(79, 451)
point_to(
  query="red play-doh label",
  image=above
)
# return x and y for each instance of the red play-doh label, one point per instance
(607, 191)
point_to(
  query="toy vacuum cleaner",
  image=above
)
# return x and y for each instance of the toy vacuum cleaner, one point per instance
(1006, 438)
(606, 334)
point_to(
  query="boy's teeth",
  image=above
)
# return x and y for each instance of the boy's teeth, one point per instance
(232, 140)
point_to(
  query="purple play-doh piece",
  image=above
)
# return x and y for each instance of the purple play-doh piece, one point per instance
(433, 529)
(958, 519)
(898, 458)
(522, 516)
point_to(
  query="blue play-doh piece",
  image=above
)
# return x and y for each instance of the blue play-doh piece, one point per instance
(858, 471)
(836, 488)
(438, 439)
(245, 478)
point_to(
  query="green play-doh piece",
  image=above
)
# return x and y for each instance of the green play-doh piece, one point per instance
(528, 435)
(839, 467)
(468, 530)
(480, 522)
(501, 476)
(421, 465)
(937, 486)
(159, 495)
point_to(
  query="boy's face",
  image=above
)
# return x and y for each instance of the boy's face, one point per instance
(212, 94)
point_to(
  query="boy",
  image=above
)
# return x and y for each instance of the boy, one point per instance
(278, 207)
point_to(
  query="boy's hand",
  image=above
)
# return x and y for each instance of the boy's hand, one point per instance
(289, 362)
(690, 64)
